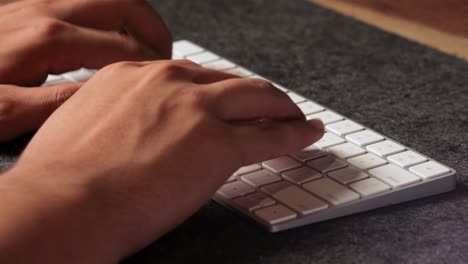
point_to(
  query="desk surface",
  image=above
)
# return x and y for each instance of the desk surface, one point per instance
(435, 23)
(411, 93)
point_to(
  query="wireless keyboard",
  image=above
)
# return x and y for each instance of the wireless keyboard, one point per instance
(351, 169)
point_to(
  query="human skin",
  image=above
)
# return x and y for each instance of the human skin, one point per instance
(135, 151)
(154, 142)
(41, 37)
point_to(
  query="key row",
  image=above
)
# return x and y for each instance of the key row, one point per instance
(371, 148)
(301, 201)
(296, 172)
(187, 50)
(282, 200)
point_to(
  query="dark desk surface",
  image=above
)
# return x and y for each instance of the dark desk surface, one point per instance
(408, 92)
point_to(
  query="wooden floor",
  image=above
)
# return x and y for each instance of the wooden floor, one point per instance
(441, 24)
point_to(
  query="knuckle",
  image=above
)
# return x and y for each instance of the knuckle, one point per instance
(7, 107)
(49, 27)
(262, 84)
(171, 70)
(113, 68)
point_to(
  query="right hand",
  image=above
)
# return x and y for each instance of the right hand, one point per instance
(141, 146)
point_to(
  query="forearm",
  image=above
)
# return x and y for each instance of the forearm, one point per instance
(50, 222)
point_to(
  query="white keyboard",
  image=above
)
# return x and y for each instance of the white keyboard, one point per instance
(350, 170)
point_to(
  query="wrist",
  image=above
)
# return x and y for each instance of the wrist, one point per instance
(59, 220)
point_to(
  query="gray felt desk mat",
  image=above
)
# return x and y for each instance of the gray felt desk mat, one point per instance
(406, 91)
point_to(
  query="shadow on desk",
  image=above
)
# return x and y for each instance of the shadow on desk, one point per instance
(419, 230)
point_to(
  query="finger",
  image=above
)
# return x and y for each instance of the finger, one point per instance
(250, 99)
(135, 17)
(82, 45)
(25, 109)
(272, 139)
(73, 47)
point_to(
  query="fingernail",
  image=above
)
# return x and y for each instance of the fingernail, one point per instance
(317, 124)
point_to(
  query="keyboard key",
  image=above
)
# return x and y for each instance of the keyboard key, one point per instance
(364, 138)
(282, 88)
(55, 79)
(348, 175)
(367, 161)
(185, 48)
(327, 117)
(329, 140)
(81, 75)
(247, 169)
(345, 151)
(369, 187)
(301, 175)
(239, 71)
(274, 84)
(406, 159)
(281, 164)
(254, 201)
(331, 191)
(385, 148)
(394, 176)
(326, 164)
(429, 170)
(176, 56)
(343, 128)
(260, 77)
(309, 107)
(231, 178)
(203, 57)
(296, 98)
(311, 152)
(219, 65)
(295, 198)
(275, 214)
(261, 177)
(235, 189)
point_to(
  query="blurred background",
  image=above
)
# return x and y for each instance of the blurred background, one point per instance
(439, 24)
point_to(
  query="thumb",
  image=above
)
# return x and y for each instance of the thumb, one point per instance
(25, 109)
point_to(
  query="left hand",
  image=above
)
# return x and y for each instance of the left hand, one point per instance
(41, 37)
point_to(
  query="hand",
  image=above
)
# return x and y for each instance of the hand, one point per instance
(151, 142)
(25, 109)
(41, 37)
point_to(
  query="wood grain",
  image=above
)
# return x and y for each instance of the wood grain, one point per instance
(438, 24)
